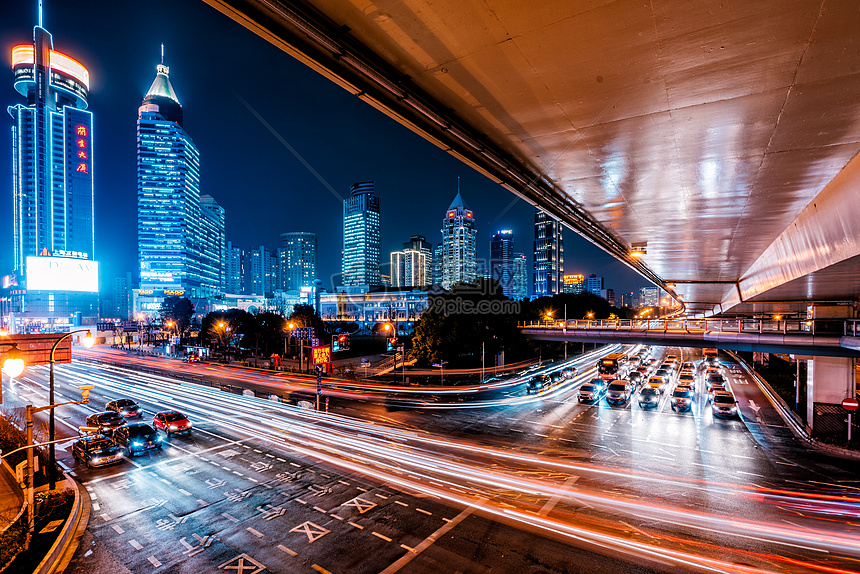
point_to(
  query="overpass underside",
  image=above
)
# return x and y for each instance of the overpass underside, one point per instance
(828, 345)
(720, 137)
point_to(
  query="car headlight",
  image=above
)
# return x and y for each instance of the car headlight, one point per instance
(158, 438)
(172, 427)
(96, 459)
(119, 454)
(136, 443)
(189, 425)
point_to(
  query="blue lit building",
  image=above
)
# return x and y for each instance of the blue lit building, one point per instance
(181, 244)
(52, 188)
(459, 253)
(502, 260)
(361, 237)
(548, 256)
(298, 260)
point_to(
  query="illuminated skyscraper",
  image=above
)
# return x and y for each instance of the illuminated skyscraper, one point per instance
(573, 283)
(361, 237)
(180, 244)
(298, 260)
(52, 185)
(520, 288)
(502, 260)
(459, 246)
(413, 266)
(548, 255)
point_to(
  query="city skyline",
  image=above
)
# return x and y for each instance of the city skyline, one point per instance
(264, 188)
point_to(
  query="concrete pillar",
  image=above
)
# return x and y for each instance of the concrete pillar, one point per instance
(829, 380)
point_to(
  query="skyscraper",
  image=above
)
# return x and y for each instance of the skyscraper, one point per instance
(593, 284)
(212, 247)
(235, 270)
(502, 260)
(459, 246)
(548, 255)
(52, 184)
(263, 271)
(413, 266)
(361, 237)
(298, 260)
(520, 287)
(168, 195)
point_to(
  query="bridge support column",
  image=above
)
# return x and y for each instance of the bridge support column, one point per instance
(829, 380)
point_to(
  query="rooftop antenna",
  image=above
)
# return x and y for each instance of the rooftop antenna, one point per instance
(162, 51)
(40, 13)
(458, 184)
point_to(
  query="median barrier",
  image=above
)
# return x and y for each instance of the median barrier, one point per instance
(67, 542)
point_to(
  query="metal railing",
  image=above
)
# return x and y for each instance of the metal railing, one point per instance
(842, 327)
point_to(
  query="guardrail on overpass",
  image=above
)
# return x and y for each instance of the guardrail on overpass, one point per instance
(833, 337)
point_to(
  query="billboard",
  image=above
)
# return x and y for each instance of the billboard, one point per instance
(62, 274)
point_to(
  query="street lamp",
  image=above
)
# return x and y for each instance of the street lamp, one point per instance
(52, 465)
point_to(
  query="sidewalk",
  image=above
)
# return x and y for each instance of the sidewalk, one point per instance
(11, 497)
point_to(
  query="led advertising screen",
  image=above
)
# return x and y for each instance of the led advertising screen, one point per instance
(62, 274)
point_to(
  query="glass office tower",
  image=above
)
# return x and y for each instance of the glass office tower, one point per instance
(168, 196)
(52, 187)
(361, 237)
(459, 246)
(298, 260)
(548, 255)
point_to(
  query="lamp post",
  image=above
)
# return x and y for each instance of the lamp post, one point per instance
(52, 470)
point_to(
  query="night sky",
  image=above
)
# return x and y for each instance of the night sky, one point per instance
(218, 70)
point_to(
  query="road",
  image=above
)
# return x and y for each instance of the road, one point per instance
(530, 484)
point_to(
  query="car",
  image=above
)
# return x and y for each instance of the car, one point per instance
(652, 362)
(569, 372)
(618, 392)
(537, 384)
(125, 407)
(668, 366)
(634, 360)
(96, 450)
(106, 422)
(682, 399)
(649, 397)
(137, 438)
(687, 379)
(635, 377)
(672, 359)
(716, 388)
(688, 366)
(657, 383)
(600, 383)
(663, 373)
(714, 379)
(724, 404)
(191, 359)
(172, 422)
(589, 393)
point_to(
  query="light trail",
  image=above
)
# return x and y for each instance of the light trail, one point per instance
(393, 454)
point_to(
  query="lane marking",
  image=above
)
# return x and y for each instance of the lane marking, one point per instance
(427, 542)
(135, 544)
(118, 528)
(408, 549)
(422, 511)
(256, 533)
(230, 518)
(154, 561)
(320, 569)
(283, 548)
(185, 492)
(105, 517)
(400, 503)
(378, 535)
(550, 504)
(323, 510)
(359, 526)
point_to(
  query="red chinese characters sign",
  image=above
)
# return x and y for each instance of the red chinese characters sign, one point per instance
(321, 355)
(82, 143)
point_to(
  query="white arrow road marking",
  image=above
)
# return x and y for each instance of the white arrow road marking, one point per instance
(754, 407)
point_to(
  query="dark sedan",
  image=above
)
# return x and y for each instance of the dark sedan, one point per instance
(649, 397)
(137, 438)
(96, 450)
(106, 422)
(126, 408)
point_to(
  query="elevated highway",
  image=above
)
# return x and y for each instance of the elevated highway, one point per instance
(716, 140)
(791, 337)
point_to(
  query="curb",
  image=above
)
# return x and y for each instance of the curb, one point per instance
(64, 547)
(793, 422)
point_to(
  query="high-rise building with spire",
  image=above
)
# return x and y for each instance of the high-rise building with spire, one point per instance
(459, 244)
(181, 244)
(52, 186)
(361, 237)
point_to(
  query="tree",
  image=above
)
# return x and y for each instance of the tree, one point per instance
(177, 310)
(305, 316)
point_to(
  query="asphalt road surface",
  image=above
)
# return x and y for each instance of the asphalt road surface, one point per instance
(506, 483)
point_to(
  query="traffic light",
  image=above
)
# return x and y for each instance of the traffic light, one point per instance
(343, 341)
(392, 343)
